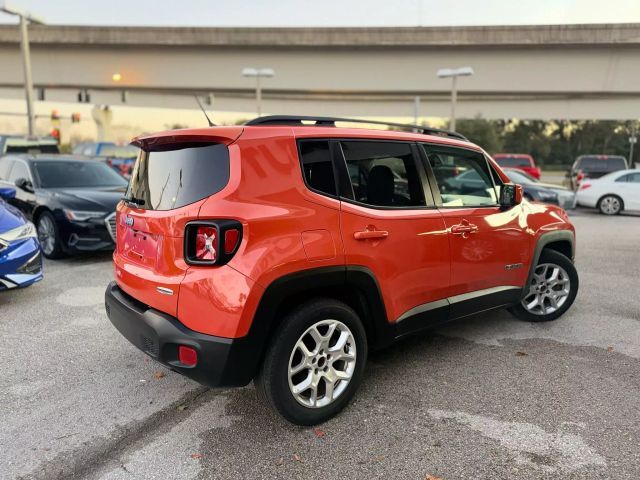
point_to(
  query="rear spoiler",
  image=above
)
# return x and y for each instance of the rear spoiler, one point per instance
(169, 139)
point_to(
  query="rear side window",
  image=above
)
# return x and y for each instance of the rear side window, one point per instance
(175, 178)
(317, 166)
(383, 174)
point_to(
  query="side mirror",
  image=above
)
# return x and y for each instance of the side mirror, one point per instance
(510, 195)
(7, 193)
(24, 184)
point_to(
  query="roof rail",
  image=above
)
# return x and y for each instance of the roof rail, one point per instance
(331, 122)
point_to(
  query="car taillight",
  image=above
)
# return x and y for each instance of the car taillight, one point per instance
(211, 242)
(584, 186)
(580, 176)
(206, 243)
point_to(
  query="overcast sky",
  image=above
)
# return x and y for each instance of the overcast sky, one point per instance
(329, 12)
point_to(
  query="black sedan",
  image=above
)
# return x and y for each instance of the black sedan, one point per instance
(469, 182)
(71, 200)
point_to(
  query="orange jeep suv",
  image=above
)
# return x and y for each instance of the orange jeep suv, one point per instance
(284, 249)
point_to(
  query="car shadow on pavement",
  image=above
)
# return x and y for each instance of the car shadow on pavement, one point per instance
(402, 422)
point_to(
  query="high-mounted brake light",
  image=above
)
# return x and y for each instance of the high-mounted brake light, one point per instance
(211, 242)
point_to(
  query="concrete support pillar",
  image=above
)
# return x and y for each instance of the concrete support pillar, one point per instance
(103, 116)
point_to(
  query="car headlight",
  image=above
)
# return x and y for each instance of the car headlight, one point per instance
(81, 215)
(20, 233)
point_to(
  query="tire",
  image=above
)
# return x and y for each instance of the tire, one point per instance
(610, 205)
(49, 236)
(567, 280)
(274, 385)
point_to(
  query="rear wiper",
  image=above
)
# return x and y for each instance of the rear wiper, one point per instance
(134, 200)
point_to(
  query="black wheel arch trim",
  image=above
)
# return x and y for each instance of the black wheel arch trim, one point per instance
(544, 240)
(360, 279)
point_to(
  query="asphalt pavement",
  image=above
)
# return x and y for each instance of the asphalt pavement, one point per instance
(488, 397)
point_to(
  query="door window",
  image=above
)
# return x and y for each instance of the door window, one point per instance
(5, 166)
(19, 170)
(463, 177)
(383, 174)
(630, 177)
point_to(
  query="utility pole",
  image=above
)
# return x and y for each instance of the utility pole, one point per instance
(25, 19)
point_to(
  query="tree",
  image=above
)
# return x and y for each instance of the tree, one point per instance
(486, 133)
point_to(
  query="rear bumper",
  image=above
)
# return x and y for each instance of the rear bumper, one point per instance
(222, 362)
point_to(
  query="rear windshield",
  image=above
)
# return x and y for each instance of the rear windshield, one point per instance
(513, 162)
(175, 178)
(600, 163)
(46, 148)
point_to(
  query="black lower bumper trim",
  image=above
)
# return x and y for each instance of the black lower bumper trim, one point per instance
(222, 362)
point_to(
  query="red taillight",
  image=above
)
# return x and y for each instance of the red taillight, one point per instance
(211, 242)
(584, 186)
(231, 238)
(206, 243)
(580, 176)
(187, 356)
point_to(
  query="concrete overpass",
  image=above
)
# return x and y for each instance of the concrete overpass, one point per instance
(542, 72)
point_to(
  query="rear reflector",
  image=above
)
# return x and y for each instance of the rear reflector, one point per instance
(187, 356)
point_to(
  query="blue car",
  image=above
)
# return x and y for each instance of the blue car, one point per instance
(20, 256)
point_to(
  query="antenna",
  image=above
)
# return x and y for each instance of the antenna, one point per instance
(211, 124)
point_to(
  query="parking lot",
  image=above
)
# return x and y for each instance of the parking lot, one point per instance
(489, 397)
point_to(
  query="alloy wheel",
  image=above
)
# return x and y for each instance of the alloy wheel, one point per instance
(610, 205)
(548, 291)
(322, 363)
(46, 234)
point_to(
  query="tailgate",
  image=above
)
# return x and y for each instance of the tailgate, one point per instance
(166, 190)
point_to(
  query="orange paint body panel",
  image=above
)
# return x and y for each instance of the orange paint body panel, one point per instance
(287, 228)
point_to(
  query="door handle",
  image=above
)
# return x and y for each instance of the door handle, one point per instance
(369, 234)
(464, 228)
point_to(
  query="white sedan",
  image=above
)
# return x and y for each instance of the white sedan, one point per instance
(612, 193)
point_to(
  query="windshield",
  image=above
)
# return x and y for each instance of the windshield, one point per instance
(34, 148)
(601, 163)
(513, 161)
(128, 151)
(517, 177)
(72, 174)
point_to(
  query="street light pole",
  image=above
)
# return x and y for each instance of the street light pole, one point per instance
(25, 18)
(633, 139)
(28, 81)
(454, 100)
(258, 73)
(454, 73)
